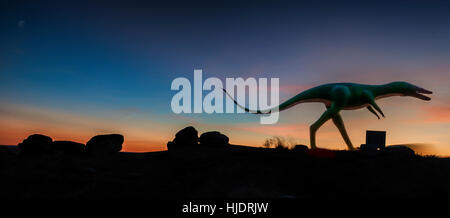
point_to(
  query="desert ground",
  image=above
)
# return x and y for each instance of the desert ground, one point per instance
(231, 172)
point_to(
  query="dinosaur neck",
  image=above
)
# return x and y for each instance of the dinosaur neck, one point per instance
(386, 90)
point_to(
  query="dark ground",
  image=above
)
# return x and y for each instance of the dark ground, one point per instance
(229, 173)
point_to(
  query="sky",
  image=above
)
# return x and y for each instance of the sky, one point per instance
(74, 69)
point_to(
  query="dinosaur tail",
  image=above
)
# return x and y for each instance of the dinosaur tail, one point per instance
(246, 109)
(283, 106)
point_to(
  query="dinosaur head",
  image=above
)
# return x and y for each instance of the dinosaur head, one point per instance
(408, 89)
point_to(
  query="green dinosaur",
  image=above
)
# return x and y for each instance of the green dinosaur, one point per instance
(345, 96)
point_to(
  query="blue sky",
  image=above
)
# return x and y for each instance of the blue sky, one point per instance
(116, 59)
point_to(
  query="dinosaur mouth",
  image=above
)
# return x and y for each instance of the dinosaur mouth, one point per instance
(420, 91)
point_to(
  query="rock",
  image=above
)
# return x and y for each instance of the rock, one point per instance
(36, 144)
(398, 151)
(187, 137)
(213, 138)
(171, 145)
(301, 148)
(68, 147)
(104, 144)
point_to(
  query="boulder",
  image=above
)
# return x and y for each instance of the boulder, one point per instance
(398, 151)
(187, 137)
(36, 143)
(68, 147)
(213, 138)
(104, 144)
(171, 145)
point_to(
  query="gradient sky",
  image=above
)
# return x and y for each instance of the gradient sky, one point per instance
(75, 69)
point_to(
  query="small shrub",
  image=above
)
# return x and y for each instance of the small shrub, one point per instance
(277, 142)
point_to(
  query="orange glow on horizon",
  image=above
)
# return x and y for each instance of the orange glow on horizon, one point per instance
(430, 127)
(438, 114)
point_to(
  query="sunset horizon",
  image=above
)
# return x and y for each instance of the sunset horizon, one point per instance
(71, 71)
(223, 108)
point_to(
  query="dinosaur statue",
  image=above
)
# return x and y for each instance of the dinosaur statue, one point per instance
(345, 96)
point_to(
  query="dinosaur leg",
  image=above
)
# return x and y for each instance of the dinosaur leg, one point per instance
(371, 100)
(372, 111)
(328, 114)
(337, 120)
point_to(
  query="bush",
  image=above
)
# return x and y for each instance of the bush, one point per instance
(278, 142)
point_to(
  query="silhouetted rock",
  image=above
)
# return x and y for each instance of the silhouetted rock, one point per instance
(171, 145)
(398, 151)
(104, 144)
(301, 148)
(213, 138)
(35, 144)
(187, 137)
(68, 147)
